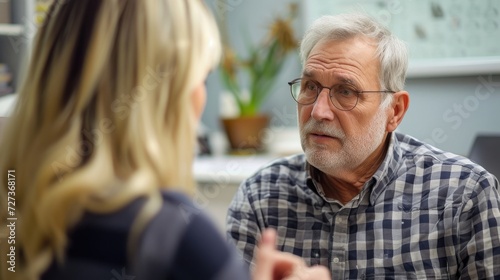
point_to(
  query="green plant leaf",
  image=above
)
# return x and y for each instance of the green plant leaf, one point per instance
(263, 64)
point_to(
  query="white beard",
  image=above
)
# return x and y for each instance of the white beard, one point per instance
(354, 149)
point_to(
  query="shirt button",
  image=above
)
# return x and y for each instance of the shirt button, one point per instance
(336, 260)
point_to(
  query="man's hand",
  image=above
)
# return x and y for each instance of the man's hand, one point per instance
(272, 264)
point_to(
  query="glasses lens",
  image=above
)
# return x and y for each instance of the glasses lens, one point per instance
(344, 98)
(304, 92)
(295, 88)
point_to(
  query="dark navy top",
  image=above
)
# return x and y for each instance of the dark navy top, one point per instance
(180, 242)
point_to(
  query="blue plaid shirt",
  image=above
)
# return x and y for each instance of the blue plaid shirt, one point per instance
(425, 214)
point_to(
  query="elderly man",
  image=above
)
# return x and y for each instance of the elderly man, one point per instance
(364, 200)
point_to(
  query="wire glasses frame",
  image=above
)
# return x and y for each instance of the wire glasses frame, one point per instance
(343, 97)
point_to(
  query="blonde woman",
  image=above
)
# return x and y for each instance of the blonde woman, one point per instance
(100, 147)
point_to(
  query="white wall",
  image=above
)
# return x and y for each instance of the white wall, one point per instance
(449, 111)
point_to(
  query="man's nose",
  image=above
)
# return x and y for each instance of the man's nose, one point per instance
(322, 108)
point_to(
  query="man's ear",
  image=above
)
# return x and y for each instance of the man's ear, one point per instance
(400, 103)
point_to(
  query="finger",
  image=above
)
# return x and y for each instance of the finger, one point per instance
(309, 273)
(275, 265)
(268, 239)
(271, 264)
(319, 273)
(285, 264)
(264, 256)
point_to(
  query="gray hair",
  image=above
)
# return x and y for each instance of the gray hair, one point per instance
(392, 52)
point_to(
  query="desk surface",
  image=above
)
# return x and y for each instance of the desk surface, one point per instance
(228, 169)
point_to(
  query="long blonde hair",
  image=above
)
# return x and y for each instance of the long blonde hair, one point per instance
(104, 117)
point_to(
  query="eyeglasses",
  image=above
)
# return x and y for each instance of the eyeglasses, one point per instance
(343, 97)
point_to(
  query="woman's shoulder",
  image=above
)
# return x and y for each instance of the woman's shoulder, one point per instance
(178, 199)
(182, 236)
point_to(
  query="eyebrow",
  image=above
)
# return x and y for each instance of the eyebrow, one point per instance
(343, 79)
(348, 81)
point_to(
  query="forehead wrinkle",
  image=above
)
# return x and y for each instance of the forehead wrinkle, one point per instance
(329, 58)
(335, 72)
(350, 60)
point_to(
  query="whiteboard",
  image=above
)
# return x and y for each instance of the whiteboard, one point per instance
(444, 37)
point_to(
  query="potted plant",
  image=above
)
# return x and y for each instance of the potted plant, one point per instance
(261, 67)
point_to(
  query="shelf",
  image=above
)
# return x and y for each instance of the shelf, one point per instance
(11, 29)
(454, 67)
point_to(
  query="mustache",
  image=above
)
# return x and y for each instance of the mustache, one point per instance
(317, 127)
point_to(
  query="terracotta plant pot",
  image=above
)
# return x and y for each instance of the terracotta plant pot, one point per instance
(245, 133)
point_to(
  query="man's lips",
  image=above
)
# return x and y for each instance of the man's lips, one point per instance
(319, 134)
(315, 136)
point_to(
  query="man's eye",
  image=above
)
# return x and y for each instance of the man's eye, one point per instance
(345, 91)
(310, 86)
